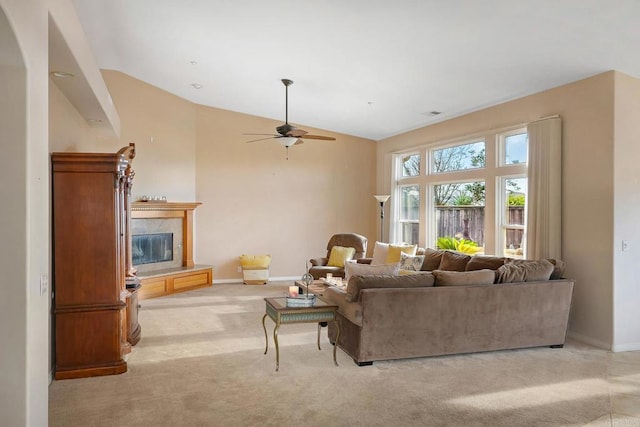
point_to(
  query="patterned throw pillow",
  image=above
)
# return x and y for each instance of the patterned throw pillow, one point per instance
(411, 263)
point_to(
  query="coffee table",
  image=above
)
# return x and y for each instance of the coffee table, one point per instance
(277, 310)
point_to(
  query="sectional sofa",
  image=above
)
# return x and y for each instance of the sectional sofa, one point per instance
(440, 312)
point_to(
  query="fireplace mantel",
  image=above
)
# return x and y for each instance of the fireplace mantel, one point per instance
(189, 276)
(182, 210)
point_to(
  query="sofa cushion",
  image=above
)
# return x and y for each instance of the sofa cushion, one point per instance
(353, 268)
(519, 270)
(358, 283)
(411, 263)
(393, 255)
(464, 278)
(558, 268)
(481, 262)
(432, 258)
(340, 254)
(380, 251)
(453, 261)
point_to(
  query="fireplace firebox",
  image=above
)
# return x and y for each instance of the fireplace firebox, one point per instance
(151, 248)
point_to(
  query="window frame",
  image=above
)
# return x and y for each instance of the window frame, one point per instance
(491, 174)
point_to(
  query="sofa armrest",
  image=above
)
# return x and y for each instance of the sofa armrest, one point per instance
(317, 262)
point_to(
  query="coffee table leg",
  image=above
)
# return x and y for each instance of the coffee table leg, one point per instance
(335, 345)
(266, 339)
(275, 339)
(319, 327)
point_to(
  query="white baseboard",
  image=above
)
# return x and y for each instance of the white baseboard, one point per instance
(634, 346)
(271, 279)
(588, 340)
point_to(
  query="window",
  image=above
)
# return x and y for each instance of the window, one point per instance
(513, 210)
(458, 210)
(514, 148)
(411, 165)
(409, 217)
(458, 157)
(462, 180)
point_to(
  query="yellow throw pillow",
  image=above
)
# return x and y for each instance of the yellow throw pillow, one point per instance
(255, 261)
(339, 255)
(395, 250)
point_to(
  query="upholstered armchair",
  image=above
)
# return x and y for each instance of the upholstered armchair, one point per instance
(319, 267)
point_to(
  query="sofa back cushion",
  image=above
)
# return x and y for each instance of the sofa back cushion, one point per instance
(558, 268)
(432, 258)
(520, 270)
(464, 278)
(454, 261)
(481, 262)
(358, 283)
(353, 268)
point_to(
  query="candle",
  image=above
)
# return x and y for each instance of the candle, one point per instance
(293, 291)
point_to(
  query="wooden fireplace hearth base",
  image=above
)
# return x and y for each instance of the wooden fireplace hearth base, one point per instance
(173, 280)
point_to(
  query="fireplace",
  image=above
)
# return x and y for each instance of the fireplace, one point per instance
(151, 248)
(156, 244)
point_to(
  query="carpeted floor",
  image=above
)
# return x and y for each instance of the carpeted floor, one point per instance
(200, 362)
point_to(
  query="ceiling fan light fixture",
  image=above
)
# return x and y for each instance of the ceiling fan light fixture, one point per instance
(288, 141)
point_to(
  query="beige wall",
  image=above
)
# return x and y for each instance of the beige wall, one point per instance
(626, 211)
(586, 108)
(24, 314)
(256, 201)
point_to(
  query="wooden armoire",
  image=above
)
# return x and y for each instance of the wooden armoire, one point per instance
(95, 312)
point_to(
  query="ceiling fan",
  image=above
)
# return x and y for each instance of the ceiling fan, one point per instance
(288, 135)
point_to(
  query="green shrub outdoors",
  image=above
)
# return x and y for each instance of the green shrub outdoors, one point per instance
(459, 245)
(516, 199)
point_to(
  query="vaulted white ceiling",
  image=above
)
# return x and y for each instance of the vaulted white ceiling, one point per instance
(370, 68)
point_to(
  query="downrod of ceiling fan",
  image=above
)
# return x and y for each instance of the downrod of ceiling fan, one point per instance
(286, 83)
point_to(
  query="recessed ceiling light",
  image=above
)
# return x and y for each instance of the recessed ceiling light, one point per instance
(62, 74)
(196, 85)
(94, 120)
(194, 62)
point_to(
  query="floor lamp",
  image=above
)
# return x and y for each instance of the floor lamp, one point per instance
(382, 199)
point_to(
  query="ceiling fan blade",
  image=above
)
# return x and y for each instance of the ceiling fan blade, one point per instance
(325, 138)
(296, 132)
(263, 134)
(261, 139)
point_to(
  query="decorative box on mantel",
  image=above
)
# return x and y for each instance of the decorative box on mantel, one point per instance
(162, 248)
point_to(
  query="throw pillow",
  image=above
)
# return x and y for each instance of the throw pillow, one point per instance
(432, 258)
(358, 283)
(518, 270)
(352, 268)
(558, 268)
(380, 251)
(481, 262)
(464, 278)
(412, 263)
(454, 261)
(340, 254)
(395, 250)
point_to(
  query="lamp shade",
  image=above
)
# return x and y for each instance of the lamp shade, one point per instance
(382, 198)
